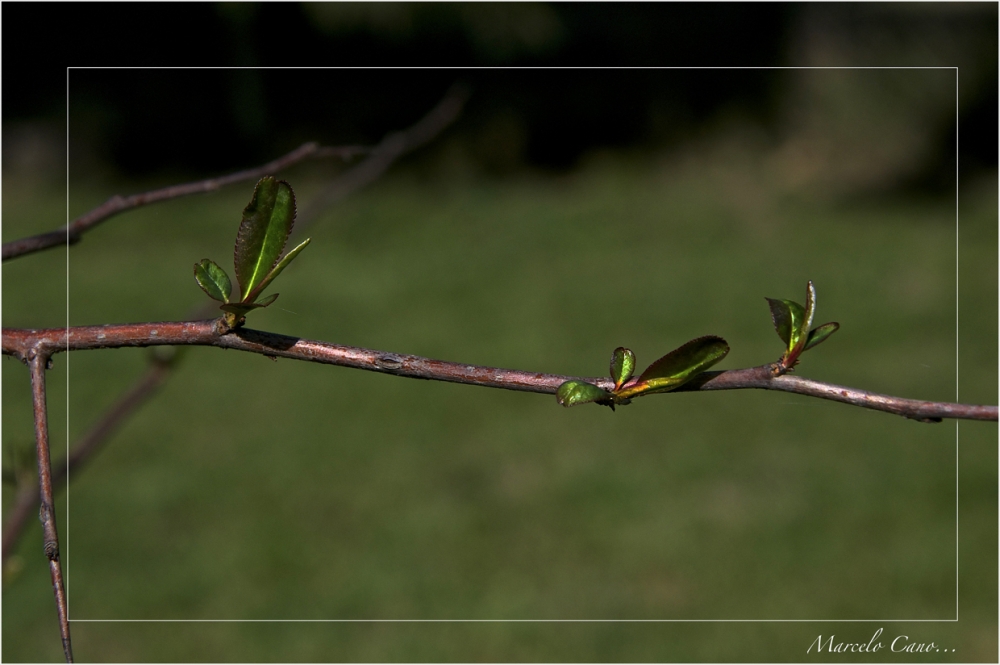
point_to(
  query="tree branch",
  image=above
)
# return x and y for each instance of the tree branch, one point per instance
(37, 359)
(391, 148)
(17, 342)
(73, 232)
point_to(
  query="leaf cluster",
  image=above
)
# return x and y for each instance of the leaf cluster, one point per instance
(267, 223)
(668, 373)
(792, 322)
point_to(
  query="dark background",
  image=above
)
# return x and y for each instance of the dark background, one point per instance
(248, 116)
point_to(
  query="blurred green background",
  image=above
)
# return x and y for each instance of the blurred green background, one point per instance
(339, 494)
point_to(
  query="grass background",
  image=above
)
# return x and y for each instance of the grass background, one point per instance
(252, 489)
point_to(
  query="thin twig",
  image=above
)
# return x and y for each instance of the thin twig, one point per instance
(116, 204)
(37, 360)
(389, 149)
(28, 495)
(17, 342)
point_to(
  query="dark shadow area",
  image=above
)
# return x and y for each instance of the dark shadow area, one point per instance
(140, 121)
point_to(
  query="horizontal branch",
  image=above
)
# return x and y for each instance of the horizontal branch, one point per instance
(21, 343)
(72, 233)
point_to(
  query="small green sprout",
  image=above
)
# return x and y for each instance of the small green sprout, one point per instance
(792, 321)
(263, 233)
(668, 373)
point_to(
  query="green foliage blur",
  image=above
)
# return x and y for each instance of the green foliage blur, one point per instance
(251, 489)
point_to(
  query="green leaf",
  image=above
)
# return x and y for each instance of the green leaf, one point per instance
(622, 366)
(267, 222)
(678, 367)
(241, 308)
(213, 280)
(781, 318)
(276, 271)
(572, 393)
(820, 333)
(694, 356)
(797, 315)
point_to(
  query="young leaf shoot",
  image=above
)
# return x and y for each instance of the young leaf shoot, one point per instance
(267, 222)
(668, 373)
(792, 322)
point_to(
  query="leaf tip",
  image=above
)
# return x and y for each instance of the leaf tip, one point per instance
(810, 307)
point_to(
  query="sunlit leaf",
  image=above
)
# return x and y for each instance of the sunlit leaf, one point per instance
(572, 393)
(622, 366)
(820, 333)
(797, 315)
(276, 271)
(678, 367)
(213, 280)
(267, 222)
(690, 357)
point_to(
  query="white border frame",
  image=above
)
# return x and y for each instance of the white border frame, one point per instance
(66, 536)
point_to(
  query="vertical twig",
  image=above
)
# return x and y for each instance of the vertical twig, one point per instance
(38, 363)
(27, 495)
